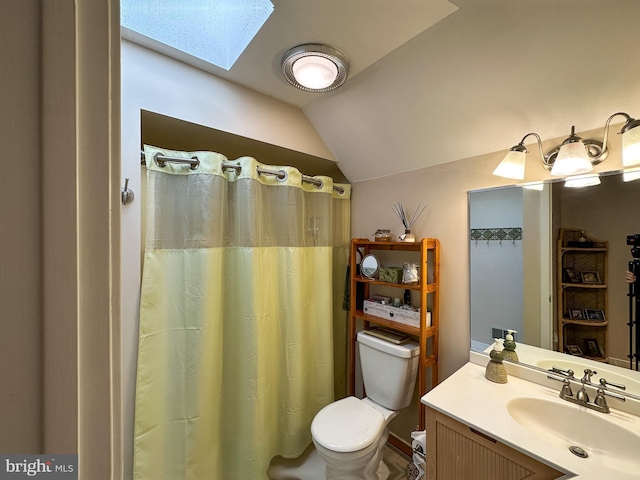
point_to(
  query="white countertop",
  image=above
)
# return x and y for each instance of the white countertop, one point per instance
(467, 396)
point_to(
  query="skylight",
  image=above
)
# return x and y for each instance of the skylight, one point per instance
(216, 31)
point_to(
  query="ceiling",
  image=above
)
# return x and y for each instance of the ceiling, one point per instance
(432, 82)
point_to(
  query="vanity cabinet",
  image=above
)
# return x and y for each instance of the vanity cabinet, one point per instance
(457, 451)
(427, 253)
(582, 294)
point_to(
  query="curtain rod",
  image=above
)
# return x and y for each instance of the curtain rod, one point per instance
(194, 163)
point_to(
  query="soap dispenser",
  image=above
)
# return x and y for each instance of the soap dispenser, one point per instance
(496, 371)
(509, 352)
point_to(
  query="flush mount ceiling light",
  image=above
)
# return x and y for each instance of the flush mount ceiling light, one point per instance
(574, 156)
(315, 68)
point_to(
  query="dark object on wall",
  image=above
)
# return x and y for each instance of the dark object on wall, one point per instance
(634, 301)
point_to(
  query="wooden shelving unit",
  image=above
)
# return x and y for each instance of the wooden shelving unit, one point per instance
(428, 251)
(580, 253)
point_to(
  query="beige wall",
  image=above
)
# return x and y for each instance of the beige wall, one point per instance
(20, 220)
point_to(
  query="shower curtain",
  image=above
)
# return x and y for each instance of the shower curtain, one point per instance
(241, 299)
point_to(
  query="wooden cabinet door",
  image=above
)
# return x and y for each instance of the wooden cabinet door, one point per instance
(456, 451)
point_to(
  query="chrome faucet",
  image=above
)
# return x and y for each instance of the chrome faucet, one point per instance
(601, 401)
(582, 397)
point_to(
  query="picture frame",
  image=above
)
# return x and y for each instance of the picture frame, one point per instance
(576, 314)
(571, 274)
(592, 347)
(594, 315)
(590, 277)
(574, 350)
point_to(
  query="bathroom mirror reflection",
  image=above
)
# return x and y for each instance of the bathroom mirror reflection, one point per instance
(369, 266)
(513, 279)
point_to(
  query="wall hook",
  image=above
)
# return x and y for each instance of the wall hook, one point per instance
(127, 194)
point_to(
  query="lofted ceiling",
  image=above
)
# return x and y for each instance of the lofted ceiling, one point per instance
(433, 82)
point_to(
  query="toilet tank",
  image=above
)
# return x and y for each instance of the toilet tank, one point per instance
(389, 371)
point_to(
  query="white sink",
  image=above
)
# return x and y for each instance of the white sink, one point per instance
(633, 386)
(563, 425)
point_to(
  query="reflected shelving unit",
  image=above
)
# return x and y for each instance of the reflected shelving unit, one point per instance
(427, 251)
(582, 294)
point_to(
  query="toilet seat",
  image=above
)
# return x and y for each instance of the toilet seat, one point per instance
(347, 425)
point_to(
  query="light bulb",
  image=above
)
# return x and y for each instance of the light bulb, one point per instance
(572, 159)
(512, 165)
(631, 147)
(581, 181)
(315, 72)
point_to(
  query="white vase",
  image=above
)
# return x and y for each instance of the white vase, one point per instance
(407, 236)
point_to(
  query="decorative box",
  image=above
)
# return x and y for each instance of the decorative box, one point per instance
(397, 314)
(390, 274)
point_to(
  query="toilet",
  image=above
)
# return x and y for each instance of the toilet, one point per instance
(350, 434)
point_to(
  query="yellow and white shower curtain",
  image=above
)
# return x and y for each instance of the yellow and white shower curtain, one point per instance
(241, 300)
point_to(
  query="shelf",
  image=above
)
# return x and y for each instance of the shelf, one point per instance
(598, 359)
(401, 246)
(358, 278)
(595, 359)
(411, 330)
(587, 323)
(578, 295)
(583, 285)
(429, 288)
(582, 250)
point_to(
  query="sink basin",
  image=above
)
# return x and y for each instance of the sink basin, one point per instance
(563, 425)
(633, 386)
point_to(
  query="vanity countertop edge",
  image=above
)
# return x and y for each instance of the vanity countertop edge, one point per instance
(468, 397)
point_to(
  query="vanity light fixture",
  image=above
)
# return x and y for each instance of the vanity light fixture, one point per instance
(315, 68)
(630, 174)
(580, 181)
(574, 156)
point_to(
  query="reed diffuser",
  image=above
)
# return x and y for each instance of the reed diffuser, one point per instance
(407, 221)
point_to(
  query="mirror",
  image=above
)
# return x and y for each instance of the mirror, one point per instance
(369, 266)
(513, 278)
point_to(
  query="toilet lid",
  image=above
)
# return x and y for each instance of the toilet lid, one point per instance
(347, 425)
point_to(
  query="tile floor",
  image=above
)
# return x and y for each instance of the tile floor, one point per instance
(309, 466)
